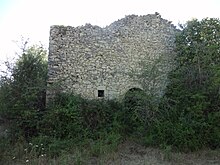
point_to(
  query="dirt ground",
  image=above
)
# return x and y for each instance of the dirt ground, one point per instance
(133, 154)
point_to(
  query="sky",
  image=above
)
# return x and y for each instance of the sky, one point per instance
(32, 18)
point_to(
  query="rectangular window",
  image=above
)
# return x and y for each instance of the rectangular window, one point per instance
(100, 93)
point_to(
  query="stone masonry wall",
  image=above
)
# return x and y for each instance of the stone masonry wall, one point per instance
(90, 60)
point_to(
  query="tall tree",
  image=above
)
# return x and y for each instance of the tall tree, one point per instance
(194, 88)
(22, 91)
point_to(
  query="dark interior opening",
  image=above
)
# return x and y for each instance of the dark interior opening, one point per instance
(134, 97)
(100, 93)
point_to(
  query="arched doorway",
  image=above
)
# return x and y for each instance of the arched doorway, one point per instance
(134, 97)
(134, 109)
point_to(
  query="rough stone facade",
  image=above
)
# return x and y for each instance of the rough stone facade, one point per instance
(96, 62)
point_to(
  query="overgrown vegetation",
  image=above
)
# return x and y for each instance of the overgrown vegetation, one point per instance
(185, 118)
(189, 113)
(22, 92)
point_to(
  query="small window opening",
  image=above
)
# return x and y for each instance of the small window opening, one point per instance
(100, 93)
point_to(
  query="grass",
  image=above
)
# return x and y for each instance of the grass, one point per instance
(127, 152)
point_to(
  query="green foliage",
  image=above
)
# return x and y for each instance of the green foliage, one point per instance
(185, 118)
(188, 116)
(142, 104)
(79, 117)
(136, 111)
(22, 91)
(4, 146)
(68, 113)
(106, 143)
(182, 132)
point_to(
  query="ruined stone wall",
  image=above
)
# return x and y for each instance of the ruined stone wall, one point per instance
(90, 60)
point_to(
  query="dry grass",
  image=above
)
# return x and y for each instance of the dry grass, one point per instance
(128, 153)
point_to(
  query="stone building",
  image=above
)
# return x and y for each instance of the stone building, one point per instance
(98, 62)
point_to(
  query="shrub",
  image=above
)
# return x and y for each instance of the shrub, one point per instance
(22, 92)
(80, 117)
(188, 116)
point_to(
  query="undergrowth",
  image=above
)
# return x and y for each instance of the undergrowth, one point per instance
(184, 118)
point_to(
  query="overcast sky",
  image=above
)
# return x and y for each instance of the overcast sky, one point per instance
(33, 18)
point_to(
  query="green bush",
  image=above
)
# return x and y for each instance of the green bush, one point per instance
(4, 146)
(79, 117)
(82, 122)
(185, 118)
(137, 112)
(22, 92)
(106, 143)
(188, 115)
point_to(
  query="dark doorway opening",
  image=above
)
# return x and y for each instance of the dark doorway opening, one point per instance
(134, 109)
(134, 97)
